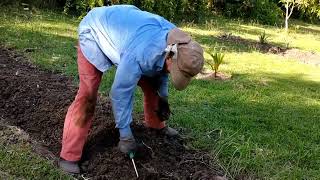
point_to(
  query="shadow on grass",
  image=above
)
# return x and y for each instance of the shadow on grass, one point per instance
(272, 103)
(295, 84)
(226, 25)
(47, 49)
(232, 43)
(304, 29)
(257, 29)
(276, 113)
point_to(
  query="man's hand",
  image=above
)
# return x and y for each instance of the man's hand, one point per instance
(127, 145)
(163, 110)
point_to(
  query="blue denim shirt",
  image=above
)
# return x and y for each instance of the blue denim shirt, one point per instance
(134, 41)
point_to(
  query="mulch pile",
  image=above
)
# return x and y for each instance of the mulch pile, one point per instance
(36, 100)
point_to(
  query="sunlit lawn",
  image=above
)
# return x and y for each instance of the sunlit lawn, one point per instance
(264, 122)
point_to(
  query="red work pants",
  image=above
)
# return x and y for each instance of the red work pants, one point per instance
(81, 112)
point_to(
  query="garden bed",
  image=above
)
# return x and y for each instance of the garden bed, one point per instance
(36, 101)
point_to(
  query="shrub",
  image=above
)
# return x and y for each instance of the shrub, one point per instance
(267, 12)
(81, 7)
(173, 10)
(310, 11)
(193, 10)
(165, 8)
(35, 3)
(263, 11)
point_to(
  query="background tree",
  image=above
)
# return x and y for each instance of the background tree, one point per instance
(309, 7)
(310, 10)
(262, 11)
(289, 5)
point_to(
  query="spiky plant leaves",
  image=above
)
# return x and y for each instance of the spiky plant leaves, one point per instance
(214, 63)
(263, 38)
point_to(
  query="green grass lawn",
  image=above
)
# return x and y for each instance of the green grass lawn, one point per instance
(264, 122)
(18, 160)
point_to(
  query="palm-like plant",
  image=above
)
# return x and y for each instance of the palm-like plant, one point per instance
(263, 38)
(214, 63)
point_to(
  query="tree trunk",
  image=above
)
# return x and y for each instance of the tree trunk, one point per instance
(287, 16)
(210, 5)
(286, 24)
(289, 10)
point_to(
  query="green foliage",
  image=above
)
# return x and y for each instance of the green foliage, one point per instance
(266, 12)
(81, 7)
(188, 10)
(263, 11)
(310, 10)
(193, 10)
(163, 8)
(217, 59)
(173, 10)
(263, 38)
(35, 3)
(305, 9)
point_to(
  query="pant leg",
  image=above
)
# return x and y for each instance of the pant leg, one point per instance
(150, 104)
(81, 112)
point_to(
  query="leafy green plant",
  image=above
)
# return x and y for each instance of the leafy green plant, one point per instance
(214, 63)
(81, 7)
(262, 11)
(173, 10)
(311, 8)
(263, 38)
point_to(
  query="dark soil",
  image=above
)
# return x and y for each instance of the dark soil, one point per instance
(36, 101)
(262, 47)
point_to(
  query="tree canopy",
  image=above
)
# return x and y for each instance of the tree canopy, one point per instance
(262, 11)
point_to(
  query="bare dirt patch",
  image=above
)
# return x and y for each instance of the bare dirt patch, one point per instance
(292, 53)
(36, 101)
(10, 135)
(303, 56)
(210, 76)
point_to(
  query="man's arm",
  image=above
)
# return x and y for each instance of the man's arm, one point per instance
(163, 105)
(122, 94)
(163, 86)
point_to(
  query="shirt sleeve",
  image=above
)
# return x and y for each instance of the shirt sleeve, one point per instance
(126, 78)
(163, 88)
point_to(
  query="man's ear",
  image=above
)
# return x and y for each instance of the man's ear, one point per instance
(170, 55)
(168, 63)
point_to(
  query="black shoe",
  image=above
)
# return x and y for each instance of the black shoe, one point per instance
(168, 131)
(127, 145)
(69, 166)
